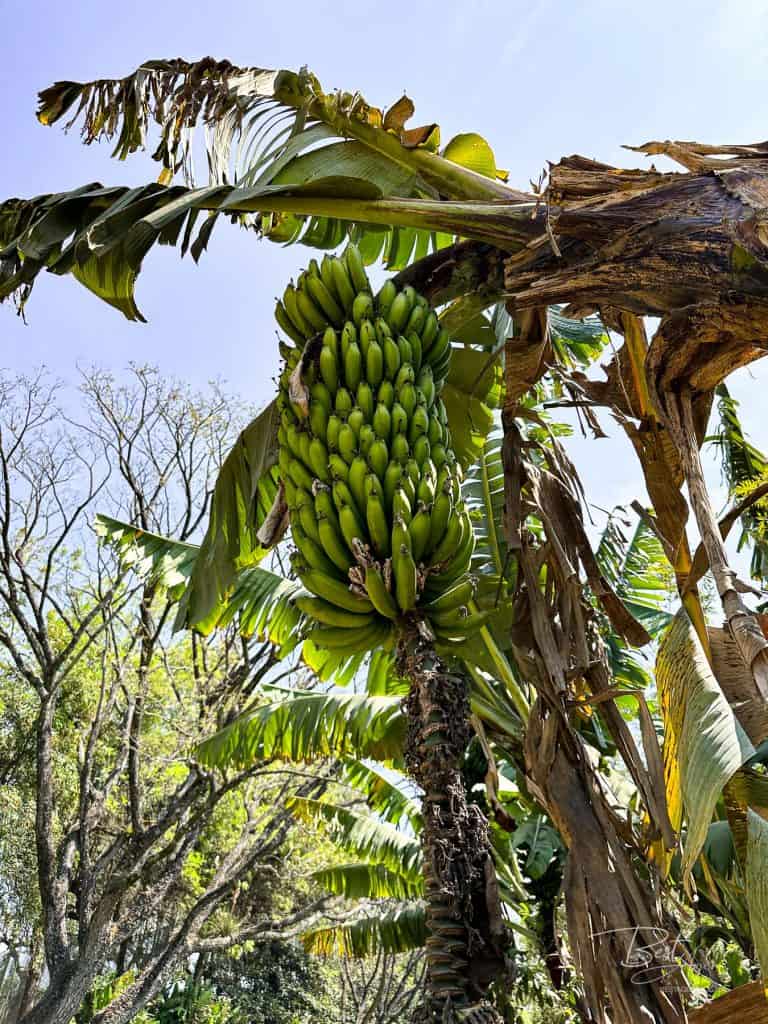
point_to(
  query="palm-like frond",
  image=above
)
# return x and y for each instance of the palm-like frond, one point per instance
(261, 600)
(744, 466)
(307, 166)
(242, 498)
(159, 560)
(363, 836)
(483, 492)
(384, 794)
(396, 929)
(269, 114)
(302, 725)
(576, 342)
(101, 235)
(367, 881)
(635, 565)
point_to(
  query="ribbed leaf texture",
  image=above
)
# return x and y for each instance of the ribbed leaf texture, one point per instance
(304, 726)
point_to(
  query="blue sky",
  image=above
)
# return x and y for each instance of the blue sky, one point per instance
(538, 79)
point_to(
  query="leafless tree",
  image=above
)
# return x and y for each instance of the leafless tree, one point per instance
(381, 989)
(89, 651)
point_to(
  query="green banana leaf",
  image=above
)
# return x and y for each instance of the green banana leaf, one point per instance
(242, 498)
(300, 725)
(259, 600)
(756, 885)
(744, 466)
(307, 166)
(473, 391)
(367, 881)
(363, 836)
(394, 930)
(704, 744)
(384, 794)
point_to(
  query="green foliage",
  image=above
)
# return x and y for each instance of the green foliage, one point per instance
(744, 467)
(306, 725)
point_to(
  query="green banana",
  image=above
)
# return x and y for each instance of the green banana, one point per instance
(422, 449)
(386, 393)
(292, 309)
(318, 418)
(407, 398)
(344, 403)
(378, 528)
(419, 528)
(307, 520)
(356, 420)
(338, 467)
(335, 423)
(374, 364)
(429, 330)
(353, 367)
(343, 284)
(404, 569)
(358, 471)
(334, 591)
(405, 351)
(333, 545)
(378, 457)
(441, 513)
(318, 459)
(386, 296)
(401, 450)
(380, 597)
(382, 421)
(461, 593)
(356, 268)
(285, 323)
(324, 301)
(367, 335)
(416, 350)
(392, 478)
(320, 393)
(367, 437)
(459, 621)
(419, 423)
(436, 432)
(362, 308)
(329, 369)
(441, 346)
(351, 528)
(392, 358)
(399, 311)
(350, 640)
(365, 399)
(300, 475)
(348, 335)
(312, 552)
(330, 614)
(347, 443)
(401, 506)
(313, 315)
(326, 275)
(451, 539)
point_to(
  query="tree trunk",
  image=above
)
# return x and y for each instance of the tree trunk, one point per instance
(465, 932)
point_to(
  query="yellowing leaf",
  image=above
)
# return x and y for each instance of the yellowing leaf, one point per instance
(473, 152)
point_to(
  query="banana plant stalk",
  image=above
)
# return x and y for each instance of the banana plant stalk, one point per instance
(466, 934)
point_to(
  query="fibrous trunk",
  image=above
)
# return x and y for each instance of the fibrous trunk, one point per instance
(465, 932)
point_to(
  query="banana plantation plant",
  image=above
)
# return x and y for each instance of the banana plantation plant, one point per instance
(384, 457)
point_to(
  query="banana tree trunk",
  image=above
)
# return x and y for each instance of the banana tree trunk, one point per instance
(465, 931)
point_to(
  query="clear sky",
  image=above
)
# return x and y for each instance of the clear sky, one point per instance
(538, 79)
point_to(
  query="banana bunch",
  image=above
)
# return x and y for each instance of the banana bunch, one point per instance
(371, 481)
